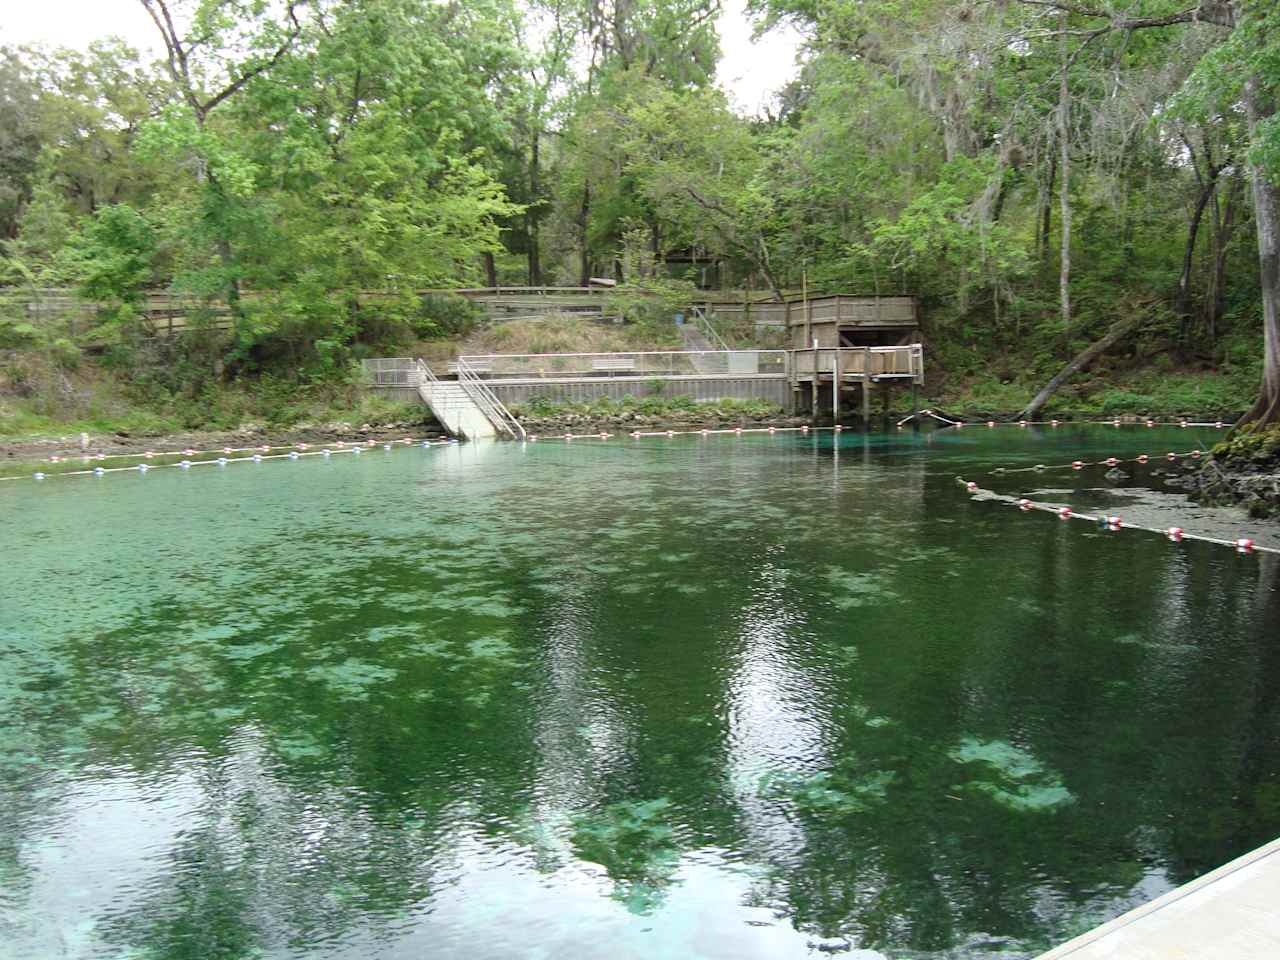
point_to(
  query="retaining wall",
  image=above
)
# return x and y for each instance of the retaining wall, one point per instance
(762, 387)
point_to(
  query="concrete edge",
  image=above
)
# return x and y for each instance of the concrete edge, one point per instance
(1159, 903)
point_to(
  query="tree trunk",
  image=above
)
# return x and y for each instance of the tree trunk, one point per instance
(534, 213)
(584, 255)
(490, 269)
(1266, 207)
(1064, 191)
(1044, 218)
(1224, 226)
(1182, 305)
(1118, 332)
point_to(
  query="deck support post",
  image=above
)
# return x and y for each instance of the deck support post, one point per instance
(866, 388)
(789, 366)
(836, 379)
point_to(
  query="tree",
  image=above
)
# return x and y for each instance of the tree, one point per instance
(1250, 57)
(19, 138)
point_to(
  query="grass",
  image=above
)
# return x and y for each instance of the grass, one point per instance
(570, 333)
(1145, 392)
(40, 399)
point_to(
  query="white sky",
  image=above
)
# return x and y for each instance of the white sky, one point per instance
(750, 73)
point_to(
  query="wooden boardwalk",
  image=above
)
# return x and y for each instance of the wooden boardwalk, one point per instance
(793, 379)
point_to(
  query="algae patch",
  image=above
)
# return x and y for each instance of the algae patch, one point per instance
(1016, 779)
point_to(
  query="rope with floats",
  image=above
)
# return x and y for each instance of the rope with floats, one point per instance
(1141, 458)
(1111, 522)
(1111, 422)
(295, 452)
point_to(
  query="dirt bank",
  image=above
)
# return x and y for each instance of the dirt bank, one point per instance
(121, 443)
(1243, 470)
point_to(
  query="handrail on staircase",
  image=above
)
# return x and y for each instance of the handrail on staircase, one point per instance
(424, 372)
(711, 331)
(488, 401)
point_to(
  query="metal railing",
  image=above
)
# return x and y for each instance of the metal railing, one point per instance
(391, 371)
(710, 332)
(480, 394)
(637, 365)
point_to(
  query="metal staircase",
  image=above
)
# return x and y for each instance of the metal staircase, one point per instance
(467, 408)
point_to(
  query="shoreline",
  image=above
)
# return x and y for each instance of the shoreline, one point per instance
(16, 452)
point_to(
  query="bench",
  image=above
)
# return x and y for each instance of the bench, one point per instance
(613, 364)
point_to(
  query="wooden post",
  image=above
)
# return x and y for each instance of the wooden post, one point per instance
(835, 386)
(786, 371)
(808, 334)
(866, 388)
(813, 393)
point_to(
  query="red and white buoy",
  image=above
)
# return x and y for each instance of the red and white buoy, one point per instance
(1111, 461)
(1244, 545)
(1064, 513)
(1025, 504)
(1077, 464)
(971, 487)
(1174, 534)
(1171, 455)
(1141, 458)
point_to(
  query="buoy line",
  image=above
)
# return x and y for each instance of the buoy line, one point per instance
(1112, 522)
(1107, 462)
(1109, 422)
(226, 451)
(186, 464)
(703, 432)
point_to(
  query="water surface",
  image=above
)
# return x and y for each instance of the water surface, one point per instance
(728, 697)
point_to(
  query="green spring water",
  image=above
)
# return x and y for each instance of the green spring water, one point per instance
(716, 697)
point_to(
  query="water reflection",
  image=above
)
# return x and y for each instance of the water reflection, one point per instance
(722, 697)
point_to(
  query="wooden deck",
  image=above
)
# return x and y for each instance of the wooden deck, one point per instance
(795, 379)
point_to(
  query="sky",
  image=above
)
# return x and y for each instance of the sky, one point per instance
(750, 73)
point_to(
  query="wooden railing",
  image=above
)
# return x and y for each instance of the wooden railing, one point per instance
(874, 363)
